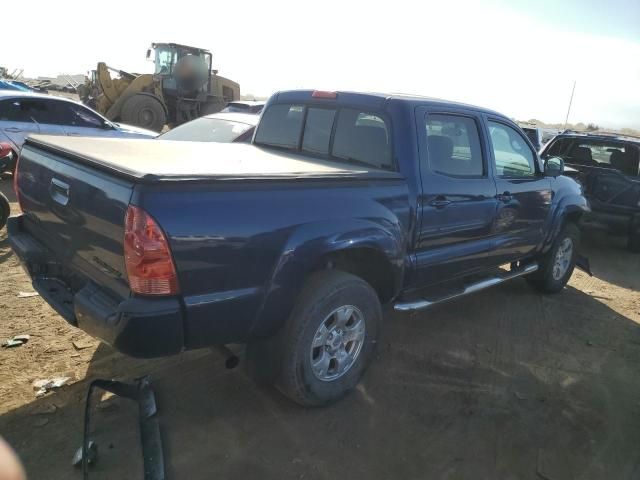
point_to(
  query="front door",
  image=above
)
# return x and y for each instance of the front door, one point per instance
(458, 200)
(524, 194)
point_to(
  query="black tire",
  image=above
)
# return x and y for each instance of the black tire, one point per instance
(633, 243)
(5, 210)
(324, 293)
(144, 111)
(545, 280)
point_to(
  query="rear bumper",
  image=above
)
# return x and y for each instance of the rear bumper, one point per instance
(139, 327)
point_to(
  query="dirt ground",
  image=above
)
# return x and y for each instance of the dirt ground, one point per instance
(505, 384)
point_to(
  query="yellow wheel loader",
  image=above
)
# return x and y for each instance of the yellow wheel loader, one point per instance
(183, 87)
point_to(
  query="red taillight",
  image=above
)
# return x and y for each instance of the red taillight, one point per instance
(324, 94)
(15, 181)
(147, 256)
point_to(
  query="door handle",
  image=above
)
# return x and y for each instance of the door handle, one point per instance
(59, 191)
(505, 197)
(12, 129)
(439, 202)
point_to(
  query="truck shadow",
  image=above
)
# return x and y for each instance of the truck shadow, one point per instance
(611, 260)
(503, 384)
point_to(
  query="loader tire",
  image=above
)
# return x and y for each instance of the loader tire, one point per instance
(144, 111)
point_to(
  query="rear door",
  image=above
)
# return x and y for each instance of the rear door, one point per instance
(458, 202)
(524, 194)
(15, 120)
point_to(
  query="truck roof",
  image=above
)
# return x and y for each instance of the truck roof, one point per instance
(158, 160)
(375, 100)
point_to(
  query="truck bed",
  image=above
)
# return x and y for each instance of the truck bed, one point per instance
(164, 160)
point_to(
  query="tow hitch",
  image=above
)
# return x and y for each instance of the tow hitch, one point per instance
(142, 393)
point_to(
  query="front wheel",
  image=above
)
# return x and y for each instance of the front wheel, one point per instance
(557, 265)
(329, 339)
(144, 111)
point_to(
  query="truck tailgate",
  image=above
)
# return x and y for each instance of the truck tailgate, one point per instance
(78, 213)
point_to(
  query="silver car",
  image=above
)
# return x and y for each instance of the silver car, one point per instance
(23, 113)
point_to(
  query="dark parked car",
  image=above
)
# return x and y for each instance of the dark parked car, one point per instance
(345, 202)
(608, 165)
(217, 127)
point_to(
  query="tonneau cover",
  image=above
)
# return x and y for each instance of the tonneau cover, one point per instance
(156, 160)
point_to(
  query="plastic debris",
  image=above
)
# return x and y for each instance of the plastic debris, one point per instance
(16, 341)
(43, 386)
(92, 454)
(27, 294)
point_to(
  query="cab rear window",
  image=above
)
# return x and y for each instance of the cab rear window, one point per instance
(341, 134)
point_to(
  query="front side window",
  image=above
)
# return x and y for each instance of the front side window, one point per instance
(513, 156)
(453, 145)
(75, 115)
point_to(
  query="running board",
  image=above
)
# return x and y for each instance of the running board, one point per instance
(474, 287)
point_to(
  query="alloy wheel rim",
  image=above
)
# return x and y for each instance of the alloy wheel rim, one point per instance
(337, 343)
(563, 258)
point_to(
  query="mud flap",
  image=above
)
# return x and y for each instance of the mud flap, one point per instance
(582, 263)
(142, 393)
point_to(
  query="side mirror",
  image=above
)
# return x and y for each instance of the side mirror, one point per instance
(553, 167)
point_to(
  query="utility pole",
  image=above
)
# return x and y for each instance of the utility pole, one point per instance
(566, 120)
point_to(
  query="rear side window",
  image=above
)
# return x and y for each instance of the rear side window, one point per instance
(280, 126)
(339, 134)
(453, 145)
(12, 111)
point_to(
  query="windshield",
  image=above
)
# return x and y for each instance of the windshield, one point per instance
(164, 60)
(207, 130)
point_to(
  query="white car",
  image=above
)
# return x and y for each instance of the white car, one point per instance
(23, 113)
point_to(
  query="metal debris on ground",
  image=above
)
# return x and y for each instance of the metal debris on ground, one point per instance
(92, 454)
(142, 393)
(45, 385)
(27, 294)
(16, 341)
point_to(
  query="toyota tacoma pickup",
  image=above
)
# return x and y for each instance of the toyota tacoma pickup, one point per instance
(343, 202)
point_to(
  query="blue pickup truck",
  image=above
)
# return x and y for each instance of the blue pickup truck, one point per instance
(343, 202)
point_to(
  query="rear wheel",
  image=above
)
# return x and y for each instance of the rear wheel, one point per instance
(556, 267)
(5, 210)
(144, 111)
(329, 339)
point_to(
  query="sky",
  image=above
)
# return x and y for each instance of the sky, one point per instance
(517, 57)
